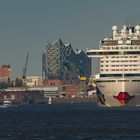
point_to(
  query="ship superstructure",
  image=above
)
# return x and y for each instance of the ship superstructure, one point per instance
(118, 82)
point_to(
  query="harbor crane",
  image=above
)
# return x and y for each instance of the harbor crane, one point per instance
(25, 68)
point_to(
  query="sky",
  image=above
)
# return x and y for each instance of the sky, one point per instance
(26, 25)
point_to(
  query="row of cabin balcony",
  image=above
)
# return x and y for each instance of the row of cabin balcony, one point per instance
(119, 42)
(121, 65)
(112, 57)
(119, 74)
(120, 70)
(102, 53)
(120, 48)
(128, 69)
(121, 61)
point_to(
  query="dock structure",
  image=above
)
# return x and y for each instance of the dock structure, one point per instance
(41, 94)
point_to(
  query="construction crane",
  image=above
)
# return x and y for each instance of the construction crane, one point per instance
(25, 68)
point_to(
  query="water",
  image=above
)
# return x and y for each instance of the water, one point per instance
(69, 122)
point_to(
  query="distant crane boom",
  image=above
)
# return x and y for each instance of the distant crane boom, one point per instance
(25, 67)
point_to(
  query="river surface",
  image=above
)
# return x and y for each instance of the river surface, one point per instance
(69, 122)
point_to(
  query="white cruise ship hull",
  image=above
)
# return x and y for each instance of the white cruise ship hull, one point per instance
(118, 92)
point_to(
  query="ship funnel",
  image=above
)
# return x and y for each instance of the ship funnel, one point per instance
(133, 29)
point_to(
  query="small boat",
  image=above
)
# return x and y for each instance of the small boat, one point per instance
(7, 103)
(50, 100)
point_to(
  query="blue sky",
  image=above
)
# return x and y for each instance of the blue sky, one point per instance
(25, 26)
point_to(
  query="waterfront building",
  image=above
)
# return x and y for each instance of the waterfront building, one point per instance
(34, 81)
(5, 72)
(61, 62)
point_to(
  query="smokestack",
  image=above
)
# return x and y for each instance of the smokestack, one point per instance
(133, 29)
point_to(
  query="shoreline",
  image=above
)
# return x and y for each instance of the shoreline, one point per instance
(58, 100)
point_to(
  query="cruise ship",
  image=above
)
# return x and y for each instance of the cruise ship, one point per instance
(118, 81)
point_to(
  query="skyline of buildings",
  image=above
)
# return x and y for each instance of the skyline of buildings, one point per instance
(59, 61)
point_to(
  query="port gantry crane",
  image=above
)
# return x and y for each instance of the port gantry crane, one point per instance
(25, 69)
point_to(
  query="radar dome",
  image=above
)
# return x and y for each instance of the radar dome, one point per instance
(137, 27)
(114, 28)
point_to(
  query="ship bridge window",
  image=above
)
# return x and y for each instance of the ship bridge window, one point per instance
(92, 53)
(123, 80)
(135, 80)
(103, 53)
(119, 75)
(110, 75)
(132, 75)
(114, 53)
(105, 81)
